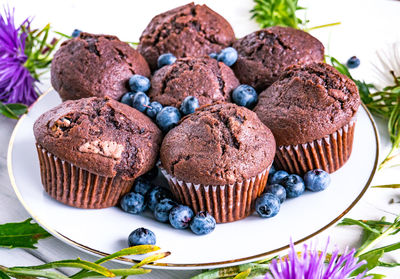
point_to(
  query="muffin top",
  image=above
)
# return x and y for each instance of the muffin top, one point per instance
(307, 103)
(204, 78)
(217, 145)
(100, 135)
(95, 66)
(264, 54)
(189, 30)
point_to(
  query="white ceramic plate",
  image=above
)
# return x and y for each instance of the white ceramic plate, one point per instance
(105, 231)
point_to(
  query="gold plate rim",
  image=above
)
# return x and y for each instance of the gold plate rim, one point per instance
(177, 265)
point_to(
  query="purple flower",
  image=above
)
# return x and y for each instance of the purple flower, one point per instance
(16, 83)
(311, 265)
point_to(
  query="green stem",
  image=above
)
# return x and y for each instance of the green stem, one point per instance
(386, 233)
(391, 156)
(322, 26)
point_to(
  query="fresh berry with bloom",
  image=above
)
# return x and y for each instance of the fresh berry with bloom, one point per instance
(189, 105)
(228, 56)
(312, 265)
(165, 59)
(140, 101)
(22, 53)
(127, 98)
(353, 62)
(244, 95)
(317, 180)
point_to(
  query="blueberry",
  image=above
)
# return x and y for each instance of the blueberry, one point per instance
(213, 55)
(167, 118)
(202, 223)
(317, 180)
(153, 109)
(189, 105)
(245, 96)
(76, 33)
(272, 170)
(141, 236)
(139, 83)
(140, 101)
(142, 186)
(165, 59)
(228, 56)
(180, 216)
(267, 205)
(162, 209)
(294, 185)
(151, 174)
(353, 62)
(127, 98)
(156, 195)
(277, 190)
(277, 177)
(133, 203)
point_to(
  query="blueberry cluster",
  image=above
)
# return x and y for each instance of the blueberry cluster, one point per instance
(228, 56)
(165, 117)
(282, 185)
(160, 201)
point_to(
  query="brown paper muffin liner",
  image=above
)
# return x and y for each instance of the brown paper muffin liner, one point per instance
(328, 153)
(226, 203)
(77, 187)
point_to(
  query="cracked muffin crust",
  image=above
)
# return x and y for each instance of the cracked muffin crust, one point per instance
(307, 103)
(189, 30)
(219, 144)
(100, 135)
(205, 78)
(95, 66)
(263, 55)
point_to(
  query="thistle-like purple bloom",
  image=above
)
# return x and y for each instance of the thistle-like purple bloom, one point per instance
(311, 265)
(16, 83)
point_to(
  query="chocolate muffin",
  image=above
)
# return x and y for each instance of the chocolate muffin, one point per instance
(217, 159)
(95, 66)
(311, 111)
(189, 30)
(92, 149)
(204, 78)
(264, 54)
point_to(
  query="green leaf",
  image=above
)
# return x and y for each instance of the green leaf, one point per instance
(388, 264)
(276, 12)
(18, 109)
(78, 263)
(376, 276)
(117, 272)
(4, 275)
(152, 258)
(372, 261)
(135, 250)
(364, 225)
(243, 274)
(35, 273)
(7, 112)
(230, 272)
(21, 235)
(393, 186)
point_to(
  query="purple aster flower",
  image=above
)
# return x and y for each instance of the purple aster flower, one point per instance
(16, 82)
(311, 265)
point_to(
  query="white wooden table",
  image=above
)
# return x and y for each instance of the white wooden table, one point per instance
(366, 26)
